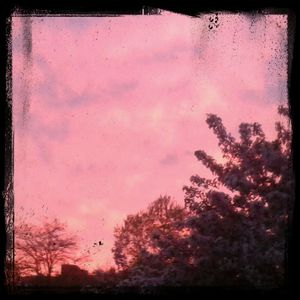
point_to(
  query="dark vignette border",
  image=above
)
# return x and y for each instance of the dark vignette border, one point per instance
(6, 143)
(88, 8)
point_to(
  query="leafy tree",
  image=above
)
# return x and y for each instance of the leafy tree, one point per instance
(234, 227)
(143, 245)
(139, 231)
(239, 219)
(39, 249)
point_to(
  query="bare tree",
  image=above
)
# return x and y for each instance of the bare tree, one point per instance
(39, 249)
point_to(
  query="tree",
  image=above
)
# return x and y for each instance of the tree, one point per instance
(233, 228)
(39, 249)
(144, 244)
(238, 220)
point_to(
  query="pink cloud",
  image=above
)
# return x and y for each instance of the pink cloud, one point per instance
(117, 108)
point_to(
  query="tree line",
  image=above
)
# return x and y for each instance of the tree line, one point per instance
(231, 231)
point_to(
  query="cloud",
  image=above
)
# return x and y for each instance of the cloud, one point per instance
(117, 110)
(169, 159)
(118, 88)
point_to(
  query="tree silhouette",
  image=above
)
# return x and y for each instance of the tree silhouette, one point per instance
(233, 228)
(239, 219)
(151, 246)
(39, 249)
(140, 233)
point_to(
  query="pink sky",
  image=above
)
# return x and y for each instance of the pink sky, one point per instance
(117, 107)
